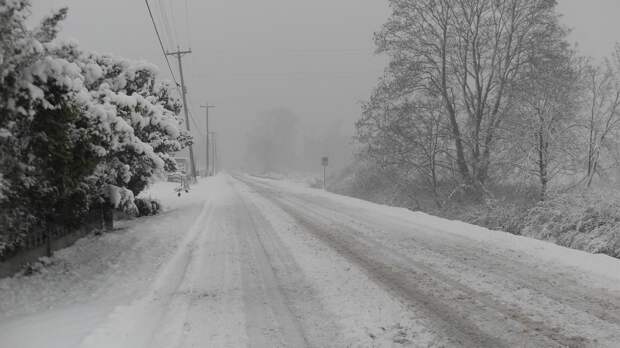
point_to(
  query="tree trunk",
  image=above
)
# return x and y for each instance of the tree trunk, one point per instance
(542, 164)
(451, 111)
(592, 168)
(48, 242)
(107, 217)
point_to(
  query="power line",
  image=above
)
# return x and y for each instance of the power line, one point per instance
(164, 17)
(163, 50)
(174, 22)
(191, 114)
(187, 25)
(191, 117)
(181, 89)
(238, 51)
(207, 107)
(179, 54)
(191, 102)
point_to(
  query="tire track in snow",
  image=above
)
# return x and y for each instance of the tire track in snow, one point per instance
(399, 273)
(560, 287)
(213, 292)
(134, 325)
(314, 321)
(552, 302)
(401, 283)
(270, 321)
(364, 314)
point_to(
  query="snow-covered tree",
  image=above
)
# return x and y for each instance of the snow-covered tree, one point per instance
(601, 121)
(47, 141)
(543, 128)
(146, 106)
(77, 129)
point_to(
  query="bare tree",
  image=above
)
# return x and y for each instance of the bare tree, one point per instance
(406, 134)
(469, 54)
(547, 103)
(602, 121)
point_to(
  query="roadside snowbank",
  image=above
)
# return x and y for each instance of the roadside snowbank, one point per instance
(599, 264)
(88, 279)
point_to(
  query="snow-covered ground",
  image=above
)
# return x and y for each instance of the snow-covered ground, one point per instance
(245, 261)
(305, 179)
(59, 305)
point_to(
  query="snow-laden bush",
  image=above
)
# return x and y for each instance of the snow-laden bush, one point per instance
(78, 130)
(147, 206)
(495, 214)
(46, 147)
(587, 220)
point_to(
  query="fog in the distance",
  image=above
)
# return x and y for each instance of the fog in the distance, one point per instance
(255, 60)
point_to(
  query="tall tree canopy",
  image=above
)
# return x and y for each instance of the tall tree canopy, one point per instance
(467, 56)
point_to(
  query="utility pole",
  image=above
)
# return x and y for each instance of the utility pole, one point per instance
(215, 158)
(178, 53)
(207, 107)
(214, 150)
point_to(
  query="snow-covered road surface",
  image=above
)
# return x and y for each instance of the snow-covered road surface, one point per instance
(243, 261)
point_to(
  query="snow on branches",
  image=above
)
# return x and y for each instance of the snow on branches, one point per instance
(77, 129)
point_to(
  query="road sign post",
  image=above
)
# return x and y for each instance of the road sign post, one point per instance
(324, 163)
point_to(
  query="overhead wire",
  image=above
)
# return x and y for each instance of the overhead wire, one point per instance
(155, 9)
(187, 25)
(191, 102)
(192, 118)
(161, 44)
(171, 40)
(191, 60)
(173, 22)
(164, 17)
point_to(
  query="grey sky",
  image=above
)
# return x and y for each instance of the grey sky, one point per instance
(313, 57)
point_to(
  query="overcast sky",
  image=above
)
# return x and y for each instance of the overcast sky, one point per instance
(313, 57)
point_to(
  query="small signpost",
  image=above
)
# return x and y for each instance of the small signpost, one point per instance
(324, 163)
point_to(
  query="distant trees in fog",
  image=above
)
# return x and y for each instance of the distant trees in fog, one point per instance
(278, 141)
(273, 141)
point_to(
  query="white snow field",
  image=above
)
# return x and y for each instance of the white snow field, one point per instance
(245, 261)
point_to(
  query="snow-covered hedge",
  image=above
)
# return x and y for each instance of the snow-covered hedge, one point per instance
(581, 219)
(78, 130)
(587, 221)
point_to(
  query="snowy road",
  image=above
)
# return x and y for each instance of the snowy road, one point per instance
(243, 261)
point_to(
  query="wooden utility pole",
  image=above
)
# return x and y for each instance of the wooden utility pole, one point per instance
(178, 53)
(214, 150)
(207, 107)
(215, 159)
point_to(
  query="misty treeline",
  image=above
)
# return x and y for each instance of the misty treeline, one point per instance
(80, 132)
(486, 98)
(279, 142)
